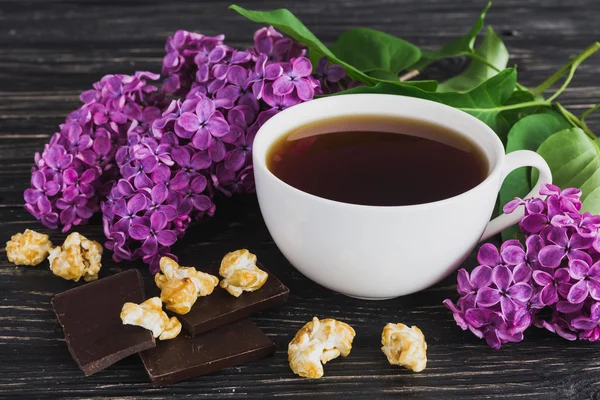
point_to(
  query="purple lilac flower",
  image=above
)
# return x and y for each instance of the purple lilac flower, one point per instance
(550, 283)
(557, 269)
(203, 126)
(505, 290)
(77, 166)
(153, 233)
(563, 245)
(587, 279)
(152, 165)
(40, 187)
(296, 76)
(263, 72)
(329, 76)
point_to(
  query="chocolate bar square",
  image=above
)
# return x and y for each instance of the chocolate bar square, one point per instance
(221, 308)
(90, 318)
(186, 357)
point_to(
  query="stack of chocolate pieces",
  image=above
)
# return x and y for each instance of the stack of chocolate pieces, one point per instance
(218, 333)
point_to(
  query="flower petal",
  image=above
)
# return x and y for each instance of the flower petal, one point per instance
(205, 109)
(463, 284)
(31, 195)
(548, 295)
(38, 180)
(522, 273)
(502, 277)
(139, 232)
(578, 292)
(218, 127)
(180, 181)
(282, 86)
(513, 255)
(520, 292)
(508, 307)
(159, 194)
(158, 221)
(166, 238)
(551, 256)
(150, 245)
(202, 202)
(579, 242)
(304, 90)
(568, 308)
(534, 223)
(189, 121)
(201, 160)
(217, 150)
(476, 317)
(481, 276)
(137, 203)
(487, 297)
(273, 71)
(578, 269)
(488, 255)
(594, 289)
(302, 66)
(542, 278)
(235, 160)
(202, 139)
(584, 323)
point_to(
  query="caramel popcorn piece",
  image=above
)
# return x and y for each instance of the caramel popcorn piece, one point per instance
(28, 248)
(404, 346)
(172, 329)
(241, 273)
(149, 315)
(181, 286)
(318, 342)
(77, 257)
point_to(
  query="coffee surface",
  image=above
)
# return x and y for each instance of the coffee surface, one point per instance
(378, 160)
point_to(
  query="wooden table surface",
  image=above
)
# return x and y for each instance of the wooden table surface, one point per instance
(50, 51)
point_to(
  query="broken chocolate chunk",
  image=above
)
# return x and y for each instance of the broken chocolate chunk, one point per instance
(89, 316)
(186, 357)
(221, 308)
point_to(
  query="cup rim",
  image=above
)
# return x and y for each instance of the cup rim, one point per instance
(259, 160)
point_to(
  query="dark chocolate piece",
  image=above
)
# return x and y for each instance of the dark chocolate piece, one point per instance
(90, 318)
(221, 308)
(186, 357)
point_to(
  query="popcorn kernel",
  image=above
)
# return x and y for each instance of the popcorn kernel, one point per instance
(240, 273)
(149, 315)
(28, 248)
(318, 342)
(404, 346)
(181, 286)
(77, 257)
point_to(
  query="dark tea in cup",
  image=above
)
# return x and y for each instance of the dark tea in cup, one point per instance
(378, 160)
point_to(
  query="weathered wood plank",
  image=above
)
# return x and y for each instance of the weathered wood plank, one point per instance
(52, 50)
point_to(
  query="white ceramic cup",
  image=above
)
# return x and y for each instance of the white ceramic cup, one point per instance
(374, 252)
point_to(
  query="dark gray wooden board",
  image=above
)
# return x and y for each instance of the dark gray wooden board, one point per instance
(50, 51)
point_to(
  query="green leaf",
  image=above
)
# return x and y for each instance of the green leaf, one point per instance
(286, 22)
(527, 134)
(460, 46)
(486, 101)
(574, 159)
(370, 50)
(490, 57)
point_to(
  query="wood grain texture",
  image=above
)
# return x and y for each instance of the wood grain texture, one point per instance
(50, 51)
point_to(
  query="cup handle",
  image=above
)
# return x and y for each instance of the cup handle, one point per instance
(514, 160)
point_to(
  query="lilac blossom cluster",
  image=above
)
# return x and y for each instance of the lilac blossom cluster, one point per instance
(552, 282)
(77, 167)
(152, 165)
